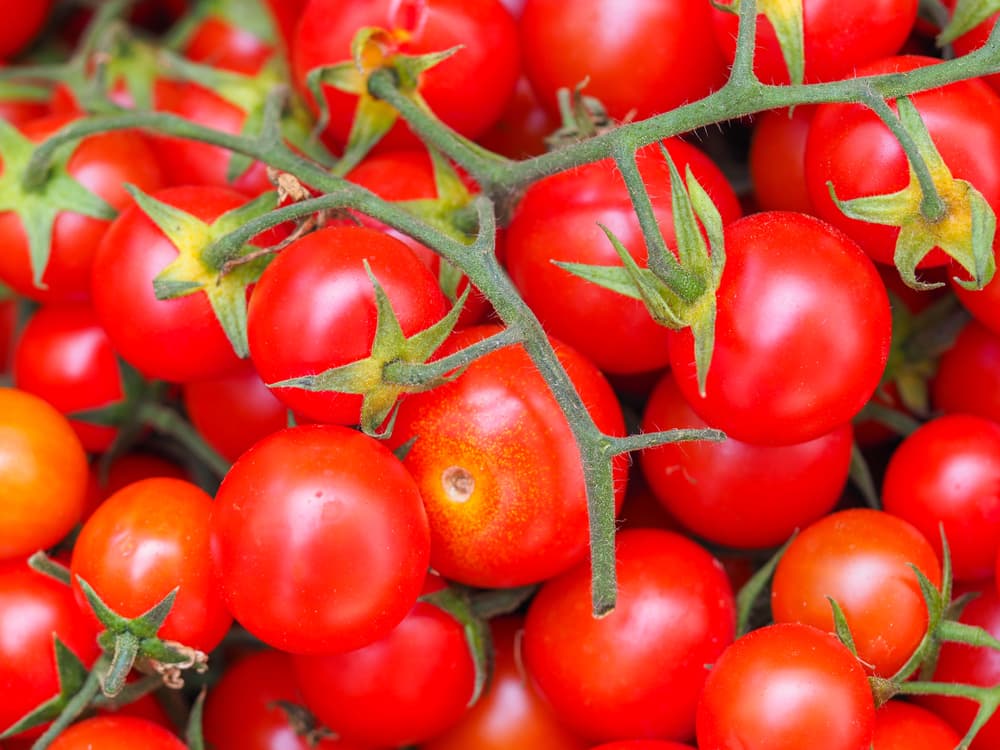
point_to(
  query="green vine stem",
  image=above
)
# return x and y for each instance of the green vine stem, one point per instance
(501, 180)
(76, 705)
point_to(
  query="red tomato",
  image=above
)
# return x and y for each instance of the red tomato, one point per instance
(23, 23)
(557, 221)
(243, 711)
(638, 671)
(223, 44)
(802, 333)
(777, 159)
(975, 39)
(179, 339)
(849, 145)
(510, 714)
(404, 688)
(498, 468)
(8, 323)
(468, 91)
(947, 473)
(641, 745)
(904, 726)
(963, 664)
(838, 37)
(968, 374)
(123, 471)
(234, 412)
(146, 540)
(43, 474)
(65, 357)
(737, 494)
(103, 164)
(606, 43)
(786, 687)
(521, 130)
(314, 308)
(117, 733)
(33, 607)
(320, 540)
(861, 558)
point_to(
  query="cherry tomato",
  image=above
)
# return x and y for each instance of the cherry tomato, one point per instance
(637, 672)
(43, 474)
(146, 540)
(64, 356)
(23, 23)
(33, 608)
(557, 220)
(786, 687)
(777, 159)
(498, 468)
(947, 474)
(510, 713)
(320, 540)
(904, 726)
(862, 559)
(802, 333)
(735, 493)
(641, 745)
(117, 733)
(605, 43)
(123, 471)
(968, 374)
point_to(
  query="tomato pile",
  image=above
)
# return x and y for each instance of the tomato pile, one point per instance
(472, 374)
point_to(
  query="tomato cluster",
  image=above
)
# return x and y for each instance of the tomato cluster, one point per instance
(344, 343)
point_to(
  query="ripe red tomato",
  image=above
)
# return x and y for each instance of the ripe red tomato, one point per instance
(123, 471)
(103, 164)
(786, 687)
(557, 220)
(467, 92)
(24, 21)
(175, 339)
(861, 558)
(777, 159)
(641, 745)
(606, 43)
(33, 608)
(8, 323)
(947, 473)
(510, 713)
(968, 374)
(320, 540)
(43, 474)
(849, 146)
(243, 709)
(402, 689)
(904, 726)
(802, 332)
(221, 43)
(638, 671)
(838, 37)
(64, 356)
(117, 733)
(498, 468)
(142, 542)
(314, 308)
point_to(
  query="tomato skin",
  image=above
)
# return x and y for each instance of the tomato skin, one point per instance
(102, 163)
(33, 607)
(968, 374)
(142, 542)
(641, 745)
(963, 664)
(600, 678)
(557, 220)
(221, 44)
(117, 733)
(23, 23)
(607, 42)
(777, 159)
(838, 37)
(313, 519)
(786, 687)
(44, 468)
(314, 308)
(861, 558)
(510, 713)
(403, 688)
(904, 726)
(948, 473)
(240, 710)
(179, 339)
(801, 334)
(123, 471)
(468, 91)
(498, 469)
(64, 356)
(737, 494)
(849, 145)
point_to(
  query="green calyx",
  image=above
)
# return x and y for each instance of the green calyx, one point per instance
(372, 49)
(458, 603)
(72, 675)
(933, 210)
(196, 270)
(786, 18)
(702, 260)
(372, 377)
(38, 205)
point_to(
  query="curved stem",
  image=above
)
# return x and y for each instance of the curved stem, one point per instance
(76, 706)
(662, 437)
(408, 373)
(165, 420)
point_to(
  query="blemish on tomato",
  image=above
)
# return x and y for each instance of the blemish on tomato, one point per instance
(458, 484)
